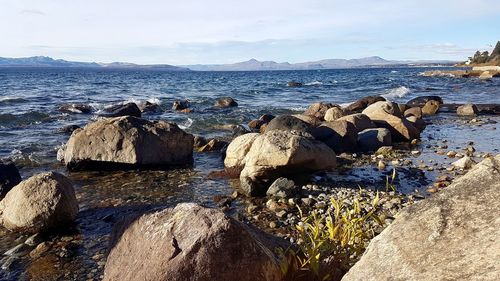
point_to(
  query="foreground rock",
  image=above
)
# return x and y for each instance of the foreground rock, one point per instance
(280, 153)
(451, 236)
(126, 142)
(190, 242)
(360, 121)
(387, 115)
(9, 177)
(42, 202)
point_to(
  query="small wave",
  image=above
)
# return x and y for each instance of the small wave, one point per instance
(314, 83)
(394, 71)
(7, 100)
(398, 92)
(186, 124)
(345, 104)
(28, 118)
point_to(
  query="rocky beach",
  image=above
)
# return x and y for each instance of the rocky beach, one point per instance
(287, 175)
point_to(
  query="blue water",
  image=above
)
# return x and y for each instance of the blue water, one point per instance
(30, 119)
(29, 98)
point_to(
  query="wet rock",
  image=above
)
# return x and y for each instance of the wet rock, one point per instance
(288, 123)
(280, 153)
(225, 102)
(414, 111)
(463, 163)
(333, 114)
(373, 139)
(386, 115)
(9, 176)
(294, 84)
(125, 142)
(281, 188)
(339, 135)
(149, 107)
(421, 101)
(238, 149)
(430, 108)
(255, 124)
(128, 109)
(212, 145)
(359, 120)
(467, 110)
(267, 117)
(319, 109)
(78, 108)
(40, 249)
(180, 105)
(417, 122)
(44, 201)
(18, 250)
(452, 235)
(190, 242)
(68, 130)
(359, 105)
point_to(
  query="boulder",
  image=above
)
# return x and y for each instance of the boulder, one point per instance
(267, 117)
(414, 111)
(463, 163)
(467, 110)
(333, 114)
(359, 105)
(452, 235)
(382, 114)
(319, 109)
(421, 101)
(486, 75)
(225, 102)
(288, 123)
(128, 109)
(359, 120)
(309, 119)
(402, 107)
(9, 177)
(238, 149)
(190, 242)
(149, 107)
(279, 153)
(373, 139)
(79, 108)
(43, 202)
(180, 105)
(417, 122)
(430, 108)
(203, 145)
(339, 135)
(255, 124)
(128, 142)
(281, 188)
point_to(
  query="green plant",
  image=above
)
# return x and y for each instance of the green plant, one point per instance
(389, 182)
(330, 243)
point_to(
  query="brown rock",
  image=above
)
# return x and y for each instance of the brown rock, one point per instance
(414, 111)
(333, 114)
(467, 110)
(319, 109)
(359, 120)
(361, 104)
(430, 108)
(190, 242)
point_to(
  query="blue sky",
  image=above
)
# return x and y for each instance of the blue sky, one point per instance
(224, 31)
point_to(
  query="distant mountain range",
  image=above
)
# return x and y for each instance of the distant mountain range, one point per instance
(250, 65)
(40, 61)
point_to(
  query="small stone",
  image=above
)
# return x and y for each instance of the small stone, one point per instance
(381, 165)
(451, 154)
(17, 250)
(281, 188)
(273, 224)
(40, 250)
(33, 240)
(464, 163)
(281, 214)
(415, 152)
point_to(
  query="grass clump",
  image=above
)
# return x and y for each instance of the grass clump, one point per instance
(330, 243)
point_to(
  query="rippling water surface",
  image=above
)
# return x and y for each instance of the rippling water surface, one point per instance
(29, 123)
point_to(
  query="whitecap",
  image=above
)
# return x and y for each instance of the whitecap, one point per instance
(186, 124)
(314, 83)
(398, 92)
(394, 71)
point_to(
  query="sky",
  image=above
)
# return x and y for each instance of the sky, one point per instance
(184, 32)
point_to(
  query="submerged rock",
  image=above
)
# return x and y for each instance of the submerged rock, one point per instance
(78, 108)
(180, 105)
(125, 142)
(452, 235)
(225, 102)
(42, 202)
(190, 242)
(149, 107)
(280, 153)
(294, 84)
(9, 177)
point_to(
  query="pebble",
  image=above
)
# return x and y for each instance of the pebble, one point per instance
(451, 154)
(381, 165)
(273, 224)
(415, 152)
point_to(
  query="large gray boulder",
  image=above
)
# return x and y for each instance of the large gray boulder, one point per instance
(42, 202)
(280, 153)
(9, 177)
(339, 135)
(237, 150)
(452, 235)
(193, 243)
(373, 139)
(124, 142)
(288, 123)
